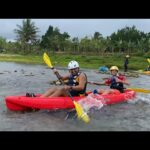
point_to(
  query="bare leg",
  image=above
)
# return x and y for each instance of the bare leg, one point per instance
(111, 91)
(108, 91)
(101, 91)
(49, 92)
(59, 92)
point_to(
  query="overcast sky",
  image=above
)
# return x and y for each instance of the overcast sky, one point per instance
(75, 27)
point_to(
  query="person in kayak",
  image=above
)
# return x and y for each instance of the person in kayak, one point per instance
(76, 85)
(116, 83)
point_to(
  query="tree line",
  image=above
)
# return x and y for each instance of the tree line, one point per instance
(126, 40)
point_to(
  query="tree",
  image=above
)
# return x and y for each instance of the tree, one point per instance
(75, 43)
(127, 34)
(53, 39)
(97, 36)
(2, 44)
(27, 34)
(63, 40)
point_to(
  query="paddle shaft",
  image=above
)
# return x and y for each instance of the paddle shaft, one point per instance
(134, 89)
(96, 83)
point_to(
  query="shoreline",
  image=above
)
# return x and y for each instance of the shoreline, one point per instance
(87, 62)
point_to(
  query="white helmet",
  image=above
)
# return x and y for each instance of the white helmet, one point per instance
(73, 64)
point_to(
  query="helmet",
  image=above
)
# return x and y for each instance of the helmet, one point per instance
(127, 56)
(73, 64)
(114, 68)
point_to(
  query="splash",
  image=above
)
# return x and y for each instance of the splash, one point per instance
(92, 101)
(141, 98)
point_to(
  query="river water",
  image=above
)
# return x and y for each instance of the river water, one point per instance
(17, 79)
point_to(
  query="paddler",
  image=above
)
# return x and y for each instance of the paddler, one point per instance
(77, 82)
(116, 82)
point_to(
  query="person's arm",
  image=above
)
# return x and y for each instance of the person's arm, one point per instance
(96, 83)
(124, 81)
(65, 77)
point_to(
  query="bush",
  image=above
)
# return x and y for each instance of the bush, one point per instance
(140, 54)
(147, 55)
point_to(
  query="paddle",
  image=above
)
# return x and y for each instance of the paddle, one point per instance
(80, 113)
(140, 90)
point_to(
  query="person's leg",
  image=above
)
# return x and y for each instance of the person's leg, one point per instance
(107, 91)
(49, 92)
(100, 91)
(115, 91)
(59, 92)
(104, 91)
(125, 68)
(111, 91)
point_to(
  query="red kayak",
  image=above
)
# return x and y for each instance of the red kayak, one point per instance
(21, 103)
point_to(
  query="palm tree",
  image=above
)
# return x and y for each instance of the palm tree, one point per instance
(97, 35)
(27, 34)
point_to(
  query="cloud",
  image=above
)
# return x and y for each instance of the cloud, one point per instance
(75, 27)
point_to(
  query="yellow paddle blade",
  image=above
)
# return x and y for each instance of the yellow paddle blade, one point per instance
(47, 60)
(148, 59)
(81, 114)
(140, 90)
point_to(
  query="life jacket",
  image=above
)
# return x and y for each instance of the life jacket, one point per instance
(116, 85)
(74, 81)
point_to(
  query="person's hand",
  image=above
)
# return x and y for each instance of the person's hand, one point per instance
(55, 71)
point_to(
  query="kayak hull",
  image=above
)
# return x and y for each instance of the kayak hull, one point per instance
(22, 103)
(144, 72)
(147, 72)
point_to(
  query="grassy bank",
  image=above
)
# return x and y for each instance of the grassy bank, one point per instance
(91, 62)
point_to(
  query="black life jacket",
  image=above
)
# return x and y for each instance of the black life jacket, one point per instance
(126, 62)
(74, 81)
(116, 85)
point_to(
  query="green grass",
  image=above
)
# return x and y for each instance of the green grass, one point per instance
(21, 59)
(91, 62)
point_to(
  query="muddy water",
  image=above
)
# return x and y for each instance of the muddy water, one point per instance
(17, 79)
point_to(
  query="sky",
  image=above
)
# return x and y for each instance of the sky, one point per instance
(75, 27)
